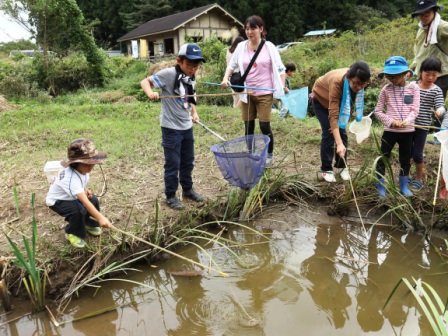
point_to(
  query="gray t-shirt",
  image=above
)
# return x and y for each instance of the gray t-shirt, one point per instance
(174, 115)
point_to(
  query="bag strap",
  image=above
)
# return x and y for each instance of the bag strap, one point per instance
(252, 61)
(441, 49)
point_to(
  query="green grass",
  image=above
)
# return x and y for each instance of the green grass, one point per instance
(35, 283)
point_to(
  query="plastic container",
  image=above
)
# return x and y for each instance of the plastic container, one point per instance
(361, 129)
(52, 169)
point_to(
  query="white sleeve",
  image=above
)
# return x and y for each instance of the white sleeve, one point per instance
(71, 182)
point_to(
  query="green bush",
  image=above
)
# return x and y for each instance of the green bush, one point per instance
(117, 66)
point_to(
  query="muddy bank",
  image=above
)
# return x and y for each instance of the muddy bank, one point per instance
(134, 200)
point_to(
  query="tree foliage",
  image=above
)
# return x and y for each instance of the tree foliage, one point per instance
(58, 25)
(105, 20)
(144, 11)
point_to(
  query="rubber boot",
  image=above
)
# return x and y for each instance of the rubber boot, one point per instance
(443, 193)
(381, 189)
(404, 186)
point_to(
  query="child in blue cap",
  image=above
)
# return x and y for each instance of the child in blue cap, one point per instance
(397, 107)
(176, 121)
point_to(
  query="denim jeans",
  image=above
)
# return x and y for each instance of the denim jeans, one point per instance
(178, 147)
(327, 144)
(76, 215)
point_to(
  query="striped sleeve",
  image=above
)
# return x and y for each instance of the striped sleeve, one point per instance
(430, 100)
(380, 114)
(401, 104)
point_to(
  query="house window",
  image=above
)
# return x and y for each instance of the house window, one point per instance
(196, 39)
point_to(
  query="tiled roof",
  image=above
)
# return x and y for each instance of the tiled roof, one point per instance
(170, 22)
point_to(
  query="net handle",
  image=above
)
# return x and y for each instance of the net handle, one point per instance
(211, 131)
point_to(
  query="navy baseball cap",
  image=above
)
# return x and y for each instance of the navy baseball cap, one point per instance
(192, 52)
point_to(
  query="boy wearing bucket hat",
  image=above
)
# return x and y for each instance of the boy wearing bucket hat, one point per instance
(176, 121)
(401, 101)
(69, 196)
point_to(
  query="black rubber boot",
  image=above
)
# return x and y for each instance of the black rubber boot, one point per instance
(174, 203)
(193, 195)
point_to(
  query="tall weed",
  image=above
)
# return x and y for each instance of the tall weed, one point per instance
(36, 282)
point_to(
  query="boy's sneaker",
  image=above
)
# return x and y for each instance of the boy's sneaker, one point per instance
(269, 162)
(75, 240)
(193, 195)
(327, 176)
(93, 230)
(415, 185)
(174, 203)
(344, 173)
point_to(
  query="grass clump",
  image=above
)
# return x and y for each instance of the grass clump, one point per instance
(36, 281)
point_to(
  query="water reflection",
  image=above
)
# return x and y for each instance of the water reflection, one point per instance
(189, 294)
(324, 279)
(368, 301)
(328, 286)
(107, 303)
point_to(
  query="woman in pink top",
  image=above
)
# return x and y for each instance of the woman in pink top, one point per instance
(401, 101)
(230, 51)
(268, 71)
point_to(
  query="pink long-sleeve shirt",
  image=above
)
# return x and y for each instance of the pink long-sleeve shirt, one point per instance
(402, 104)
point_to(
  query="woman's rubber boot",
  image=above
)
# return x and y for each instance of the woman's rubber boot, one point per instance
(381, 189)
(404, 186)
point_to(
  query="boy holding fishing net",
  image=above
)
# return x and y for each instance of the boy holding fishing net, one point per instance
(176, 121)
(69, 196)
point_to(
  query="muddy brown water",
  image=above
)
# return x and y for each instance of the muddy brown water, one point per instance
(303, 278)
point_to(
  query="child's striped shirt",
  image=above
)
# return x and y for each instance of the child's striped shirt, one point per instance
(401, 103)
(430, 100)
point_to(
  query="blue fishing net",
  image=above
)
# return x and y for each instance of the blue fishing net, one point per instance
(242, 160)
(296, 101)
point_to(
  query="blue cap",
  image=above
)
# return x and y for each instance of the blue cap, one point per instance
(192, 52)
(395, 65)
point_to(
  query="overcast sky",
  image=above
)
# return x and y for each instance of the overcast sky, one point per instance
(11, 31)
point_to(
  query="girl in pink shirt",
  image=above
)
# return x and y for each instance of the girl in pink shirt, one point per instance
(397, 108)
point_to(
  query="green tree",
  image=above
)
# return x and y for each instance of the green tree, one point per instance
(104, 19)
(144, 11)
(367, 18)
(17, 45)
(58, 25)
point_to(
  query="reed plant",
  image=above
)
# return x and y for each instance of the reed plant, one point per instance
(200, 237)
(88, 276)
(35, 283)
(16, 202)
(434, 309)
(272, 184)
